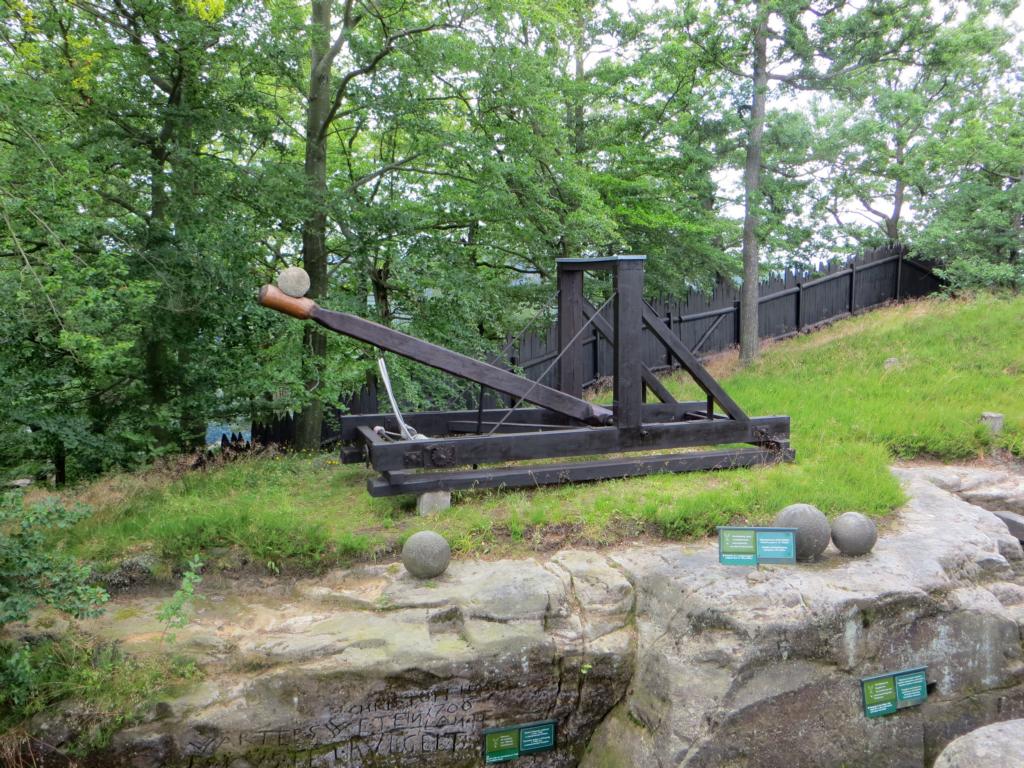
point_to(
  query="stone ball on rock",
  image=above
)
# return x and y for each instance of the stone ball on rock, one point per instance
(854, 534)
(426, 554)
(812, 529)
(294, 281)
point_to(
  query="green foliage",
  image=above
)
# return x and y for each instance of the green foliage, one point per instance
(111, 689)
(173, 614)
(153, 172)
(33, 571)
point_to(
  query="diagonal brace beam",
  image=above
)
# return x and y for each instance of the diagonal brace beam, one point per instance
(686, 358)
(605, 329)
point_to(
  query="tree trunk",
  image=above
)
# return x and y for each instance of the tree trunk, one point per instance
(60, 464)
(751, 196)
(314, 229)
(892, 224)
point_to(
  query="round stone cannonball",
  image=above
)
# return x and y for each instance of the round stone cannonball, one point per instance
(812, 529)
(294, 281)
(854, 534)
(426, 554)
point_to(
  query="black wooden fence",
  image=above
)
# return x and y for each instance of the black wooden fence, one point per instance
(789, 303)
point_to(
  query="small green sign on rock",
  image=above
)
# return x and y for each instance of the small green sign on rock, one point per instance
(750, 546)
(884, 694)
(510, 742)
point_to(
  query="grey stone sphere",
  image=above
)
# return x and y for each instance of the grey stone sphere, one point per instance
(854, 534)
(294, 281)
(812, 529)
(426, 554)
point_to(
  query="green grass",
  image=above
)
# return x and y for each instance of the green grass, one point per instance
(851, 417)
(111, 689)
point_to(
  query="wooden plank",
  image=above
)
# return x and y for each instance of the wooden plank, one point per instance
(460, 365)
(436, 423)
(628, 323)
(469, 427)
(488, 449)
(705, 315)
(707, 334)
(686, 358)
(579, 472)
(570, 323)
(352, 455)
(608, 331)
(370, 437)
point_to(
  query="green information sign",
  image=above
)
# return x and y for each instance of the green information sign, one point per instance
(884, 694)
(750, 546)
(510, 742)
(537, 738)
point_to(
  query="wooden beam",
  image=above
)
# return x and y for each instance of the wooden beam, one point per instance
(686, 358)
(570, 323)
(436, 423)
(469, 427)
(605, 329)
(579, 472)
(627, 383)
(436, 356)
(490, 449)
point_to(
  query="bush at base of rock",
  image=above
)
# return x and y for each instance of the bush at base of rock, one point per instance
(812, 529)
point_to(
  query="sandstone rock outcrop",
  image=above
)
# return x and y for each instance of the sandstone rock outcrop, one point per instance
(761, 668)
(652, 656)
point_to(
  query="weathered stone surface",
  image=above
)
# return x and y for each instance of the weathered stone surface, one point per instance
(371, 667)
(994, 746)
(653, 656)
(994, 422)
(734, 672)
(812, 529)
(426, 554)
(854, 534)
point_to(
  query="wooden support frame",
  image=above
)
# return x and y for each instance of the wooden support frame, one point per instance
(608, 331)
(445, 453)
(564, 425)
(579, 472)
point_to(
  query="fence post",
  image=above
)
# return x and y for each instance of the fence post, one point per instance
(899, 274)
(736, 320)
(668, 353)
(853, 285)
(800, 305)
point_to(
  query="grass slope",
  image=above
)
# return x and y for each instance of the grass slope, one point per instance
(851, 416)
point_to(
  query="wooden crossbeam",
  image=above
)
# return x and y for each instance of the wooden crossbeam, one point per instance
(436, 423)
(490, 449)
(578, 472)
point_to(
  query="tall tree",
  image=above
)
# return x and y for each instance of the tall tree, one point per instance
(344, 50)
(779, 46)
(877, 132)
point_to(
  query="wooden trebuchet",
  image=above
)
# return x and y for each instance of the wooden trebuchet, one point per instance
(564, 424)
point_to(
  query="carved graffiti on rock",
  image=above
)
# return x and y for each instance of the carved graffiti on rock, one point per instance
(392, 725)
